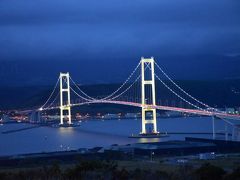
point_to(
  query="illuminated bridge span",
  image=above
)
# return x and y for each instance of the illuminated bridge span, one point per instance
(158, 107)
(138, 90)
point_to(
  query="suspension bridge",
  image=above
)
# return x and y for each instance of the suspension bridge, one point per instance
(138, 90)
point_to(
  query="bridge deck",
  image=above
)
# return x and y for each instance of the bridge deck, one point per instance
(166, 108)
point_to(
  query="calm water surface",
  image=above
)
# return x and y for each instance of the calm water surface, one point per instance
(94, 133)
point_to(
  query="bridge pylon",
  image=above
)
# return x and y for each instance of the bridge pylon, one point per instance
(65, 107)
(147, 109)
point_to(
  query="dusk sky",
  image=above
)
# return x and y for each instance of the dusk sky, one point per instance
(102, 41)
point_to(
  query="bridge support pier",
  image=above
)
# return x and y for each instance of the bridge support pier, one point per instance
(148, 110)
(35, 117)
(65, 91)
(233, 133)
(213, 128)
(226, 131)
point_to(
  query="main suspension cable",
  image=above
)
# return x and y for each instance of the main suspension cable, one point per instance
(181, 89)
(50, 94)
(81, 90)
(89, 100)
(129, 77)
(176, 93)
(130, 85)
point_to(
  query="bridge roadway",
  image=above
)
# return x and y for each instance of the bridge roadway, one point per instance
(166, 108)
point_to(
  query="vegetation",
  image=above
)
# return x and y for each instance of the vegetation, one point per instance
(111, 170)
(208, 171)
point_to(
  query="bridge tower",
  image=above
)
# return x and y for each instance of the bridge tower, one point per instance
(147, 108)
(65, 92)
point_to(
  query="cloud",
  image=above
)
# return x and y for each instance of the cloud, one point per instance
(233, 55)
(216, 12)
(116, 29)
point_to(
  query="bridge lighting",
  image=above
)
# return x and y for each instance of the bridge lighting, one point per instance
(148, 104)
(64, 78)
(147, 108)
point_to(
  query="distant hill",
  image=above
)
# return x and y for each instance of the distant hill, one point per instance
(225, 93)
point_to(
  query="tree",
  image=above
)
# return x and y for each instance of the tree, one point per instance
(235, 175)
(210, 172)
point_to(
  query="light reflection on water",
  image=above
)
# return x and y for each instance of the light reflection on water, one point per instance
(66, 129)
(145, 140)
(94, 133)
